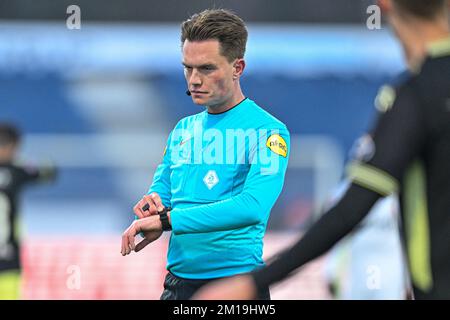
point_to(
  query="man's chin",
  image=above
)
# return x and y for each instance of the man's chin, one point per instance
(200, 101)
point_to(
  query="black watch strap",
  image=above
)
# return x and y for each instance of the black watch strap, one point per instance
(165, 219)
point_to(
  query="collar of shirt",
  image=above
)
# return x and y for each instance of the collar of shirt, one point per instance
(439, 48)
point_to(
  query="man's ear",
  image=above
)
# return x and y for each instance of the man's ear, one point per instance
(239, 66)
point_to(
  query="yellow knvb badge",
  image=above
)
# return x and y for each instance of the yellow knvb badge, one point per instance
(277, 144)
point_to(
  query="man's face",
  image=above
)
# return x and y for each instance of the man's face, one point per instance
(8, 152)
(209, 74)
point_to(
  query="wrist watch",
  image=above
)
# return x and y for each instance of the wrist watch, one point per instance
(165, 219)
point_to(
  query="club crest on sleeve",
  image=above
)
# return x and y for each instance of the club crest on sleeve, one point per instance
(277, 145)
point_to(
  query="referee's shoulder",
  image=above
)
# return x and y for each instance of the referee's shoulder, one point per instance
(265, 119)
(188, 120)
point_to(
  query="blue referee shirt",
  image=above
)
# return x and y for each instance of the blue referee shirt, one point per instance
(221, 174)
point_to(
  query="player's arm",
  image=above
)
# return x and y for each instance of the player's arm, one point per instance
(43, 173)
(262, 187)
(398, 137)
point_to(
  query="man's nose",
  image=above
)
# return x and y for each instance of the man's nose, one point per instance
(195, 79)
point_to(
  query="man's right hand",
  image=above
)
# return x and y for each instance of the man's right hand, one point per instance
(153, 200)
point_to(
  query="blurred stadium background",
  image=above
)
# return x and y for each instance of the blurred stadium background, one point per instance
(99, 102)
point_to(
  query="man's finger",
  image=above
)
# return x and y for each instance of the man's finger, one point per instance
(124, 244)
(130, 243)
(148, 206)
(138, 210)
(157, 201)
(128, 238)
(133, 231)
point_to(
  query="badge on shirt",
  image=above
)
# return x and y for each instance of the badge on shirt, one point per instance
(385, 98)
(211, 179)
(277, 144)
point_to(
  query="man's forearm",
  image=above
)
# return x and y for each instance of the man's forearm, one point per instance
(233, 213)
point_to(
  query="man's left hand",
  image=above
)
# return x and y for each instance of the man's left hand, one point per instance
(150, 227)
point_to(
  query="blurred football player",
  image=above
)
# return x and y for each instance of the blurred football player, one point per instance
(13, 177)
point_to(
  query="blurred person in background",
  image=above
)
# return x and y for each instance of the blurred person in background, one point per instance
(368, 263)
(409, 153)
(217, 210)
(13, 177)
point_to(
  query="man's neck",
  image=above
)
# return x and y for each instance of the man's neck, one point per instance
(419, 38)
(230, 103)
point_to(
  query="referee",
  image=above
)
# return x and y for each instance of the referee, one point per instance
(222, 171)
(409, 153)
